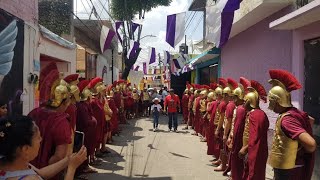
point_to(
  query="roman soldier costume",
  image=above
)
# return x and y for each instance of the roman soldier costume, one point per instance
(184, 103)
(53, 122)
(288, 157)
(238, 122)
(255, 136)
(73, 81)
(211, 110)
(97, 104)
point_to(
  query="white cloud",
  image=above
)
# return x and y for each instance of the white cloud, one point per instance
(154, 23)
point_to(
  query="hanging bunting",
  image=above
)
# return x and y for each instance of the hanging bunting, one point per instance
(152, 55)
(175, 28)
(134, 27)
(137, 68)
(118, 24)
(167, 57)
(219, 20)
(106, 37)
(134, 46)
(145, 70)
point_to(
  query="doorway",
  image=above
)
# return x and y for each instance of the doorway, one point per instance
(311, 102)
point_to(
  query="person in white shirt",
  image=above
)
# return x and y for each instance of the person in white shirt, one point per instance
(156, 108)
(164, 93)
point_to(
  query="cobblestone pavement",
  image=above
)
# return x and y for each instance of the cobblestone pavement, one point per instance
(140, 153)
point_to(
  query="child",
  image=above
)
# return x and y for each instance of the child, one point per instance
(156, 108)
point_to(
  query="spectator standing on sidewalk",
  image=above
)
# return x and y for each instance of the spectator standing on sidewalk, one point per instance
(172, 102)
(156, 108)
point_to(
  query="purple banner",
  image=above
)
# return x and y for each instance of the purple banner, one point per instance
(171, 29)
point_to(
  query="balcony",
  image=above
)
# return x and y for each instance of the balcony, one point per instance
(254, 11)
(307, 13)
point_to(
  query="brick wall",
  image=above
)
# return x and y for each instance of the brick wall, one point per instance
(26, 10)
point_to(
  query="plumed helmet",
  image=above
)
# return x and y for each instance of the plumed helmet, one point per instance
(283, 82)
(221, 86)
(85, 93)
(73, 81)
(96, 85)
(231, 85)
(53, 90)
(211, 96)
(240, 91)
(255, 92)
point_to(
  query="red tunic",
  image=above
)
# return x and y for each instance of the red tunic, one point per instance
(98, 112)
(197, 115)
(191, 115)
(210, 130)
(236, 162)
(184, 104)
(255, 166)
(293, 125)
(114, 122)
(55, 130)
(87, 124)
(218, 142)
(72, 111)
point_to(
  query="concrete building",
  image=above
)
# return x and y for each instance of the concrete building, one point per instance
(284, 34)
(39, 46)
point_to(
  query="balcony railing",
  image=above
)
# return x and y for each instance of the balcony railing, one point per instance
(300, 3)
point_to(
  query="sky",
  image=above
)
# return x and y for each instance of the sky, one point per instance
(154, 23)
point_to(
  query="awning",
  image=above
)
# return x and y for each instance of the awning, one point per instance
(303, 16)
(55, 38)
(206, 56)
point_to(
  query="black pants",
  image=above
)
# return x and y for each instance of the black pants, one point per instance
(282, 174)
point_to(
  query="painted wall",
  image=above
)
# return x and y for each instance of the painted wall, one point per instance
(26, 10)
(253, 52)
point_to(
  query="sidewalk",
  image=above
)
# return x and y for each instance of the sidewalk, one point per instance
(140, 153)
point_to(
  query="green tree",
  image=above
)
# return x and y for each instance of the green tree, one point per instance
(127, 10)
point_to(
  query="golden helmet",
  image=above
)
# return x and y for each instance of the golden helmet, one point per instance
(204, 93)
(83, 88)
(240, 91)
(73, 81)
(211, 96)
(283, 82)
(53, 90)
(231, 85)
(186, 91)
(96, 85)
(253, 97)
(255, 93)
(218, 90)
(59, 93)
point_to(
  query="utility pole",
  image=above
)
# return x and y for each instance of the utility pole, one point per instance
(204, 28)
(185, 44)
(160, 68)
(112, 66)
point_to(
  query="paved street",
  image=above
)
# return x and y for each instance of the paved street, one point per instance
(140, 153)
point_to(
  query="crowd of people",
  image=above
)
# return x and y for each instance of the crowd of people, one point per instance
(227, 116)
(68, 107)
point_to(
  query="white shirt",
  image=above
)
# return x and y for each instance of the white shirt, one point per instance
(158, 106)
(164, 94)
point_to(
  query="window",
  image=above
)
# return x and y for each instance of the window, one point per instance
(209, 74)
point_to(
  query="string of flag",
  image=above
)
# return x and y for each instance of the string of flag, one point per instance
(219, 21)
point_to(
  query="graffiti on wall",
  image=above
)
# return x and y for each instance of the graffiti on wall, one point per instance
(11, 61)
